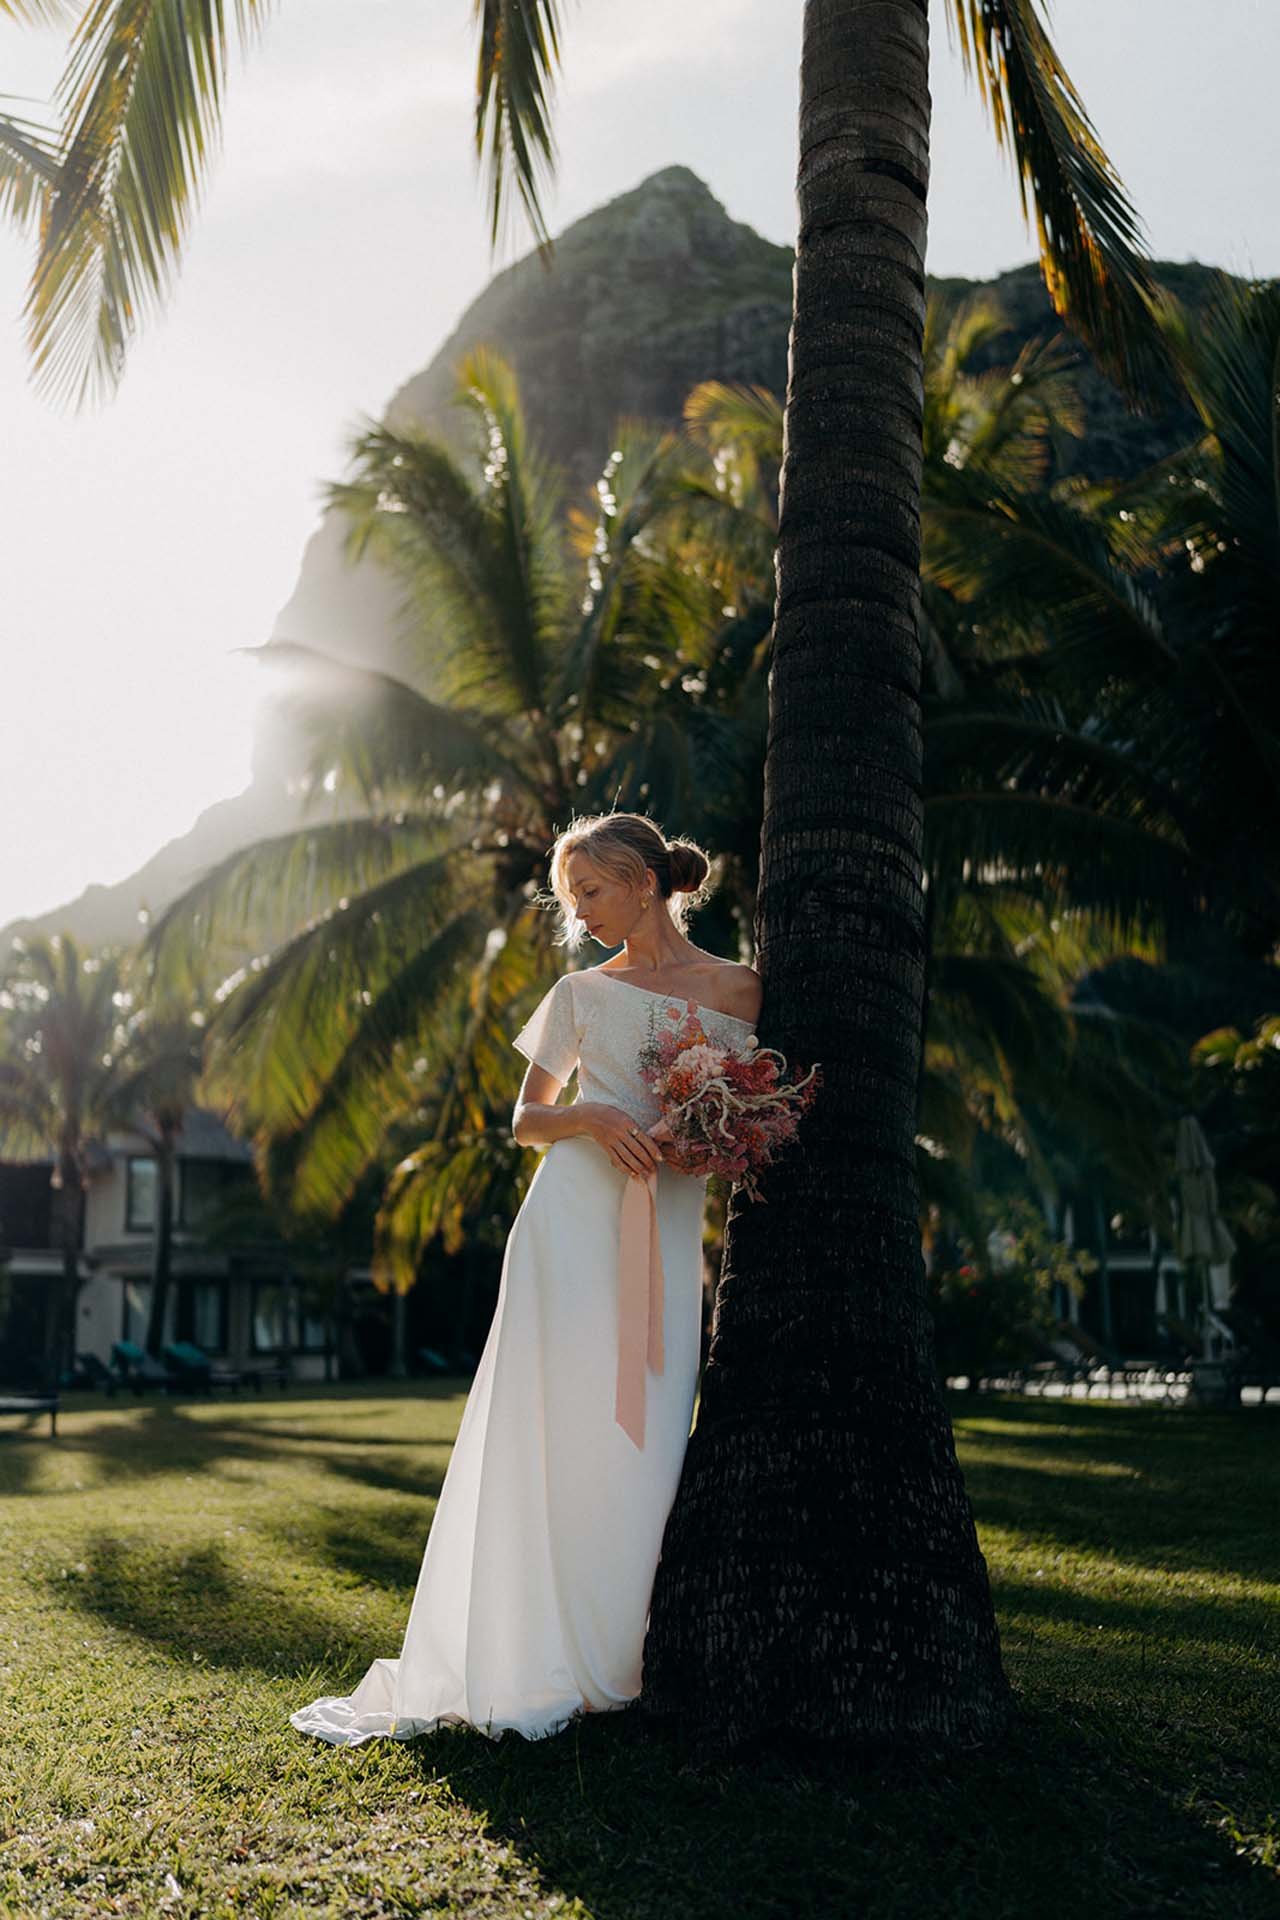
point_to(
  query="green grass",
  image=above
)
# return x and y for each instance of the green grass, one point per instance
(175, 1578)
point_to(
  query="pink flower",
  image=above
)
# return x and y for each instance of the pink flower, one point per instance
(702, 1063)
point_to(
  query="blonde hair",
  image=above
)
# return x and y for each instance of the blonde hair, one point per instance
(623, 845)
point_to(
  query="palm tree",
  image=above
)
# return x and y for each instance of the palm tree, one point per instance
(158, 1071)
(551, 663)
(60, 1022)
(821, 1523)
(1124, 659)
(110, 192)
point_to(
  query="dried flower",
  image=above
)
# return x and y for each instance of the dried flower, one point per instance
(722, 1112)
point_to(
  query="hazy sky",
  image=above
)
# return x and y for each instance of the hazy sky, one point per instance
(341, 236)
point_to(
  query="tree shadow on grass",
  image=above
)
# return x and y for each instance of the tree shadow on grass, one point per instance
(1046, 1823)
(1184, 1497)
(163, 1439)
(159, 1442)
(188, 1602)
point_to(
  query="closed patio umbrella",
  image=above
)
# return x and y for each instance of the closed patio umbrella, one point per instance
(1203, 1236)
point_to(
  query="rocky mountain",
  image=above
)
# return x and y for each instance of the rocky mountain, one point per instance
(642, 298)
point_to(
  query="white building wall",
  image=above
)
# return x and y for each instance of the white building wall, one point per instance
(98, 1316)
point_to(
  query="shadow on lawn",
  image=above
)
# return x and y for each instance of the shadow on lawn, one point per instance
(192, 1601)
(1185, 1499)
(1045, 1824)
(163, 1437)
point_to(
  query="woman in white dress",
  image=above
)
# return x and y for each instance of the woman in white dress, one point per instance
(533, 1599)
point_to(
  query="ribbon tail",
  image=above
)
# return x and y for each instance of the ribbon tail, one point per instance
(640, 1302)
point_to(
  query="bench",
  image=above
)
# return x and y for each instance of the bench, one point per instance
(33, 1403)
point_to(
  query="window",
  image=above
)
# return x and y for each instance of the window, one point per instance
(135, 1311)
(267, 1322)
(209, 1315)
(271, 1301)
(311, 1333)
(202, 1187)
(140, 1194)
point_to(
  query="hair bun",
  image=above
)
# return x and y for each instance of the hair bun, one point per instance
(689, 866)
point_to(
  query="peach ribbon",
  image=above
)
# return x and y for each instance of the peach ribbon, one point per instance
(640, 1297)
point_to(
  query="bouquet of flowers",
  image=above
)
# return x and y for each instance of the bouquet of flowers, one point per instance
(723, 1111)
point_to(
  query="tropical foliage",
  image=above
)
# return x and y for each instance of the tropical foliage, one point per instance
(111, 187)
(83, 1056)
(554, 661)
(994, 1292)
(552, 664)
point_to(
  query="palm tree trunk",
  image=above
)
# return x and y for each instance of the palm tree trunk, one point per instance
(820, 1572)
(161, 1248)
(399, 1368)
(60, 1321)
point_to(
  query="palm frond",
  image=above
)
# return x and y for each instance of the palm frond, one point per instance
(436, 1190)
(141, 100)
(480, 563)
(1040, 568)
(381, 733)
(28, 1114)
(1089, 235)
(262, 892)
(523, 501)
(389, 1057)
(29, 162)
(280, 1031)
(1066, 853)
(37, 13)
(518, 56)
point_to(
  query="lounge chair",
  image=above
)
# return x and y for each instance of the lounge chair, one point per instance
(135, 1368)
(194, 1366)
(88, 1374)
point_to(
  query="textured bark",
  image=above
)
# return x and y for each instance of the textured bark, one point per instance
(820, 1572)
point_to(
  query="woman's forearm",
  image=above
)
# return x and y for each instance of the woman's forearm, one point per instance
(535, 1123)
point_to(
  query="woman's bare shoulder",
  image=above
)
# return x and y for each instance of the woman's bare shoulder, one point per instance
(738, 989)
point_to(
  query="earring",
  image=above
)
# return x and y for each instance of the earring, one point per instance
(646, 900)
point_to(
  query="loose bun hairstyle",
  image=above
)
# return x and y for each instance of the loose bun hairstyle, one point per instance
(623, 845)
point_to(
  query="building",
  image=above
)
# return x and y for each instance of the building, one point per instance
(241, 1306)
(1140, 1299)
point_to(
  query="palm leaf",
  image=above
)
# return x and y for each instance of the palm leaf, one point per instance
(1047, 847)
(374, 1080)
(518, 55)
(141, 100)
(29, 162)
(381, 733)
(437, 1190)
(1089, 234)
(28, 1114)
(36, 13)
(281, 882)
(283, 1028)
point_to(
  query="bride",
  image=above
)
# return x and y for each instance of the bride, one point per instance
(533, 1598)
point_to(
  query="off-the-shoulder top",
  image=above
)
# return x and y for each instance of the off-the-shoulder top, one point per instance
(597, 1023)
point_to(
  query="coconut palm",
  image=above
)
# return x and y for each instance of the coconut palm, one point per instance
(158, 1070)
(551, 663)
(112, 189)
(60, 1022)
(1132, 627)
(86, 1055)
(820, 1421)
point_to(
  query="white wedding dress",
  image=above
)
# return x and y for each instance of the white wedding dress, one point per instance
(533, 1598)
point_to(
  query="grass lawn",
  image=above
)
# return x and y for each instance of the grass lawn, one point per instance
(176, 1577)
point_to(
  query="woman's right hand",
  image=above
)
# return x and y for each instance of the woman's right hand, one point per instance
(623, 1138)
